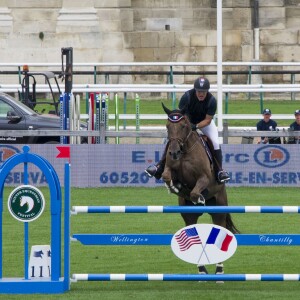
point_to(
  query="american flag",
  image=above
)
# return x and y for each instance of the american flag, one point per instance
(187, 238)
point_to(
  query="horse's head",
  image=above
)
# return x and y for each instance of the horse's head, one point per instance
(179, 128)
(28, 201)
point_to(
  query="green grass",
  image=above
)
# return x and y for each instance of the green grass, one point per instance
(160, 259)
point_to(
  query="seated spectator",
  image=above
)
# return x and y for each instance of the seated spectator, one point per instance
(295, 126)
(267, 124)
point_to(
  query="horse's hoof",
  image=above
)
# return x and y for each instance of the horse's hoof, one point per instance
(200, 200)
(202, 271)
(219, 271)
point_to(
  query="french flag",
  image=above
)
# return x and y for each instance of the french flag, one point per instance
(219, 238)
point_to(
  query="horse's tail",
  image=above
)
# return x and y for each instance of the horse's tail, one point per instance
(230, 225)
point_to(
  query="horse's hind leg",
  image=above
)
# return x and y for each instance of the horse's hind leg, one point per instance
(219, 219)
(219, 271)
(189, 219)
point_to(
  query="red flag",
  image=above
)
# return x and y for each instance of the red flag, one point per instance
(64, 152)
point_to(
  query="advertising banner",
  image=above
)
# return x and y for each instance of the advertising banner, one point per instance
(124, 164)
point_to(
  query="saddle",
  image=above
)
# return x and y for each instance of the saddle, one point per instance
(208, 146)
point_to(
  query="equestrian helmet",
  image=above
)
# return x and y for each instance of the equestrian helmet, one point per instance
(201, 84)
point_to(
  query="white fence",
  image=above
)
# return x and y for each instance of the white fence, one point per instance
(168, 88)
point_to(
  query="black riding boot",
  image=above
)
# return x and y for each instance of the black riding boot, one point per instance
(157, 169)
(222, 176)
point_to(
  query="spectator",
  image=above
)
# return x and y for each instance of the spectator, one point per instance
(295, 126)
(267, 124)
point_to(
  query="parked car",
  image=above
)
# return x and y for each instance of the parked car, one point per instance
(14, 115)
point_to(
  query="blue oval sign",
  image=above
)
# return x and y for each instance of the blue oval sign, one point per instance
(271, 156)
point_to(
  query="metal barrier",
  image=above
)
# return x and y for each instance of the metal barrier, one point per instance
(163, 239)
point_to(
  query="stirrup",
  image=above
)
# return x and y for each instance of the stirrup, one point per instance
(223, 176)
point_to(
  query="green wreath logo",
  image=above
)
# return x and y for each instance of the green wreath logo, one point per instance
(26, 203)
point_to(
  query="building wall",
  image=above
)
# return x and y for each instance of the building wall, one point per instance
(138, 30)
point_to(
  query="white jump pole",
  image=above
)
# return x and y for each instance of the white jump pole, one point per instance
(219, 66)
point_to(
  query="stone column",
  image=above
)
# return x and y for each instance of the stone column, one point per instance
(6, 20)
(77, 16)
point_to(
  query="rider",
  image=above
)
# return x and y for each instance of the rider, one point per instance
(200, 107)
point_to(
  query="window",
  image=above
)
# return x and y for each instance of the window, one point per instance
(4, 108)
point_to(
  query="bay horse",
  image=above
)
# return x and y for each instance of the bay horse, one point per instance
(189, 173)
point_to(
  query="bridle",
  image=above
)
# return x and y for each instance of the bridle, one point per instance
(176, 118)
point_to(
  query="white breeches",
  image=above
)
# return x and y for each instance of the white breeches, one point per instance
(211, 131)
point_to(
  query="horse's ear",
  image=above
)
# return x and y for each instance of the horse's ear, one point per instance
(167, 111)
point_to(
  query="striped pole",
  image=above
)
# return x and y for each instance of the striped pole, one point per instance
(185, 209)
(87, 97)
(77, 113)
(92, 114)
(104, 115)
(117, 117)
(72, 117)
(98, 117)
(137, 116)
(185, 277)
(64, 101)
(91, 117)
(125, 110)
(61, 116)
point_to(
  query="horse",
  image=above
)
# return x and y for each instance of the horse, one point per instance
(189, 173)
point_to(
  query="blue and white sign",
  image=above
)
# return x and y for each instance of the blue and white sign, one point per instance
(123, 165)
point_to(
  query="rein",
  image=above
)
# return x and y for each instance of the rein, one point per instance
(193, 146)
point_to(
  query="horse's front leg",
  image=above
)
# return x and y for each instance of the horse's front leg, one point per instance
(167, 178)
(167, 175)
(198, 192)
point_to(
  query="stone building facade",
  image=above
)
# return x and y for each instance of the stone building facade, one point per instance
(146, 31)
